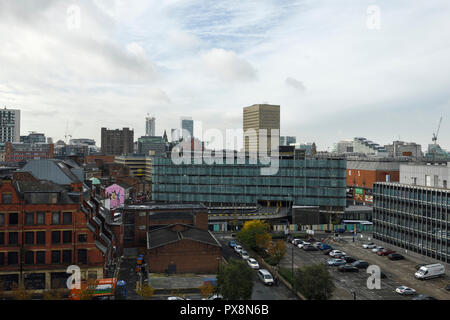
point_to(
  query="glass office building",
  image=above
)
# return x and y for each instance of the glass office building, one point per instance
(310, 182)
(416, 218)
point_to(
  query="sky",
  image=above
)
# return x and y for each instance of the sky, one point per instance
(338, 69)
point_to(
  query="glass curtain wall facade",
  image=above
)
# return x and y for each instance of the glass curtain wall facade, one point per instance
(311, 182)
(413, 217)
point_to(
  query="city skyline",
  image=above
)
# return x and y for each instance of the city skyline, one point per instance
(336, 82)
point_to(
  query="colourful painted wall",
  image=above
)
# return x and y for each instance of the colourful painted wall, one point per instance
(116, 195)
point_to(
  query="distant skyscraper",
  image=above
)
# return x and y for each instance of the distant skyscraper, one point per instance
(117, 141)
(9, 125)
(150, 126)
(257, 117)
(187, 127)
(174, 135)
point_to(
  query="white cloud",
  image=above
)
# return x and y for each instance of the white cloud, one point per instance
(227, 66)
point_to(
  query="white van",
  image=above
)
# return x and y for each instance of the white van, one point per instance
(430, 271)
(265, 276)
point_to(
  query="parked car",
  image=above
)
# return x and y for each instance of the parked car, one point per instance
(404, 290)
(430, 271)
(335, 252)
(336, 262)
(349, 259)
(296, 241)
(447, 287)
(309, 248)
(216, 296)
(424, 297)
(385, 252)
(237, 248)
(360, 264)
(369, 245)
(265, 277)
(377, 248)
(327, 252)
(302, 243)
(177, 298)
(232, 243)
(253, 263)
(395, 256)
(244, 254)
(317, 245)
(325, 246)
(347, 268)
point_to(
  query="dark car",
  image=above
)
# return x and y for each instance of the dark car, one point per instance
(326, 252)
(325, 246)
(348, 268)
(396, 256)
(447, 287)
(360, 264)
(424, 297)
(349, 259)
(309, 248)
(232, 243)
(385, 252)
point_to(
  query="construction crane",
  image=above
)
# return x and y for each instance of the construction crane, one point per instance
(435, 135)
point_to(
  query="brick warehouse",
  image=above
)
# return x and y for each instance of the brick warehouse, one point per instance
(181, 248)
(139, 219)
(42, 231)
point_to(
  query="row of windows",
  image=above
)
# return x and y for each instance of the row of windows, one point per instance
(37, 218)
(39, 257)
(38, 237)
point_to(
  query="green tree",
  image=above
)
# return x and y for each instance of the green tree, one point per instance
(145, 291)
(314, 282)
(235, 280)
(277, 251)
(250, 231)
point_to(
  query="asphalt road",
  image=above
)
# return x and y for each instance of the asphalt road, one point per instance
(260, 291)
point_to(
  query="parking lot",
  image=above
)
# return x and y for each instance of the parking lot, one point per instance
(398, 273)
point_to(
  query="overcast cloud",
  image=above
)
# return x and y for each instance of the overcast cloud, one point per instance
(334, 77)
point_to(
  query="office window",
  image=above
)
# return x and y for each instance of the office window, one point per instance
(2, 238)
(13, 238)
(56, 237)
(67, 217)
(13, 258)
(67, 256)
(40, 257)
(82, 256)
(6, 198)
(56, 256)
(29, 218)
(29, 257)
(67, 236)
(2, 219)
(13, 218)
(40, 237)
(56, 218)
(2, 259)
(40, 218)
(82, 237)
(29, 237)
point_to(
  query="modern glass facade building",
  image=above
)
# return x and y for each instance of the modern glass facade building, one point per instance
(416, 218)
(310, 182)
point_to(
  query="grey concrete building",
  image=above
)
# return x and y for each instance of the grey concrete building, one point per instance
(428, 175)
(117, 142)
(9, 125)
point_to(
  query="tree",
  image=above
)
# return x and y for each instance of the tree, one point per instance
(250, 230)
(263, 240)
(206, 289)
(277, 251)
(235, 280)
(314, 282)
(145, 291)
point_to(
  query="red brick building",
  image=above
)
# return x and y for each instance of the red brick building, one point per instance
(16, 152)
(139, 219)
(363, 173)
(181, 248)
(42, 232)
